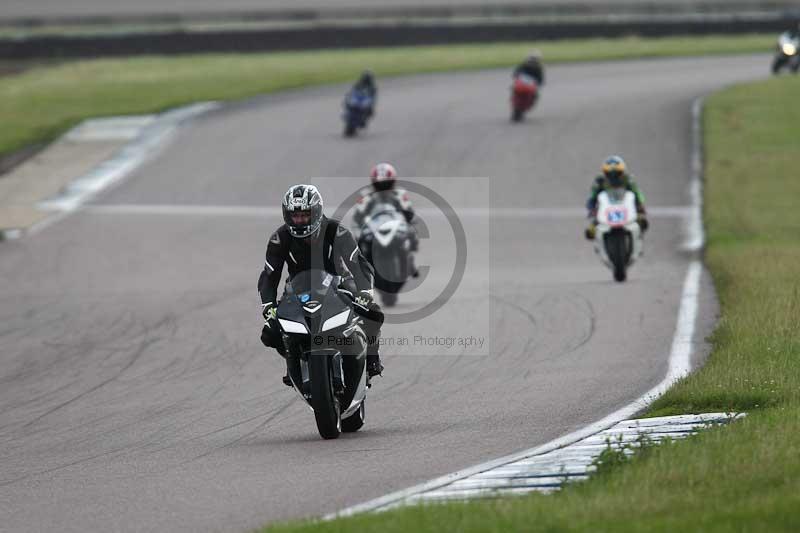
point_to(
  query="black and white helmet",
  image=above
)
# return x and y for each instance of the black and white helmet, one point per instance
(302, 210)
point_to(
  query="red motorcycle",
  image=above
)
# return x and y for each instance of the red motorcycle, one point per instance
(524, 92)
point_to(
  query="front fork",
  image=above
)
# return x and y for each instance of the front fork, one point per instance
(305, 377)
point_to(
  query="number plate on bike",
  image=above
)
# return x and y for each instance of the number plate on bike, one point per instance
(616, 216)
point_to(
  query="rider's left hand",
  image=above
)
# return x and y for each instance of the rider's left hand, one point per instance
(364, 299)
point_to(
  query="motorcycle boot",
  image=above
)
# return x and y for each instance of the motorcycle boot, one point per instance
(374, 366)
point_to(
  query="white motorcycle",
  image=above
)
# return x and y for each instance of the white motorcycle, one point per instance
(787, 53)
(384, 239)
(618, 236)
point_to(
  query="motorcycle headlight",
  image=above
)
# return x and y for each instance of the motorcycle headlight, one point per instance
(337, 320)
(789, 49)
(290, 326)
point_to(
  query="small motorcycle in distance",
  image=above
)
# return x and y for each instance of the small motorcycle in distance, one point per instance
(326, 349)
(357, 111)
(524, 93)
(385, 241)
(787, 53)
(618, 237)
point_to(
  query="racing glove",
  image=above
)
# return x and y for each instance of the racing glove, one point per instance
(269, 311)
(364, 299)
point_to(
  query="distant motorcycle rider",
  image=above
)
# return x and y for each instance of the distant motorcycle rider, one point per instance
(310, 240)
(615, 174)
(383, 177)
(365, 85)
(532, 66)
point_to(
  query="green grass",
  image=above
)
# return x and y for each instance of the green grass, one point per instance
(753, 222)
(743, 477)
(41, 103)
(723, 480)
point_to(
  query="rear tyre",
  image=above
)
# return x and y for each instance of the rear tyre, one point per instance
(354, 422)
(323, 401)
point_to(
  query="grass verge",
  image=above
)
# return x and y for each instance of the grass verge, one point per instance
(41, 103)
(744, 477)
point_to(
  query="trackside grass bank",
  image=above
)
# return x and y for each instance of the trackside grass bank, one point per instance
(743, 477)
(43, 102)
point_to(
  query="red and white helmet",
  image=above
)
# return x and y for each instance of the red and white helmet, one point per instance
(383, 176)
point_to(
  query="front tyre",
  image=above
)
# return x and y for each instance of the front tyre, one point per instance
(354, 422)
(323, 401)
(389, 299)
(777, 63)
(617, 250)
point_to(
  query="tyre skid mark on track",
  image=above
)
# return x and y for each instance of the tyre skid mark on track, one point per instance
(5, 483)
(250, 433)
(592, 323)
(137, 354)
(534, 343)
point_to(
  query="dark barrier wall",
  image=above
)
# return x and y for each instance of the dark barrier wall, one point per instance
(315, 38)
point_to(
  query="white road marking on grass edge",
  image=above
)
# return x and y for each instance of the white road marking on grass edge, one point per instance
(679, 358)
(150, 135)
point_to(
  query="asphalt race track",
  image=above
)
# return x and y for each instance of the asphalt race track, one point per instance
(135, 394)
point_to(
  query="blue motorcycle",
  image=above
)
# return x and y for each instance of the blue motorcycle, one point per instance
(357, 111)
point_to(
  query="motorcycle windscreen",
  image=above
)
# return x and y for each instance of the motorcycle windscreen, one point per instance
(310, 298)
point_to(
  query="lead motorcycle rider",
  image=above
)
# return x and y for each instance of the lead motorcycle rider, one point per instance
(309, 240)
(383, 177)
(532, 66)
(615, 174)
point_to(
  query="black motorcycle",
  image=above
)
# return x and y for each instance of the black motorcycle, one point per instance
(385, 240)
(326, 350)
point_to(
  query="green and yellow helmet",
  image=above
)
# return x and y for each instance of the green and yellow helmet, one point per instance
(614, 169)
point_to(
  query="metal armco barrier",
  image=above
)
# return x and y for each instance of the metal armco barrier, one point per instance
(183, 42)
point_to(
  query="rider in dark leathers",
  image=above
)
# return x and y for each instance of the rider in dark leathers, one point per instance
(365, 84)
(532, 67)
(310, 240)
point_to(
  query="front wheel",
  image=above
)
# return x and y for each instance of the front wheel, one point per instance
(389, 299)
(349, 130)
(354, 422)
(323, 401)
(516, 115)
(617, 250)
(777, 63)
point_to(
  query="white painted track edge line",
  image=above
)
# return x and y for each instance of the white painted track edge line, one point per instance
(679, 359)
(152, 138)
